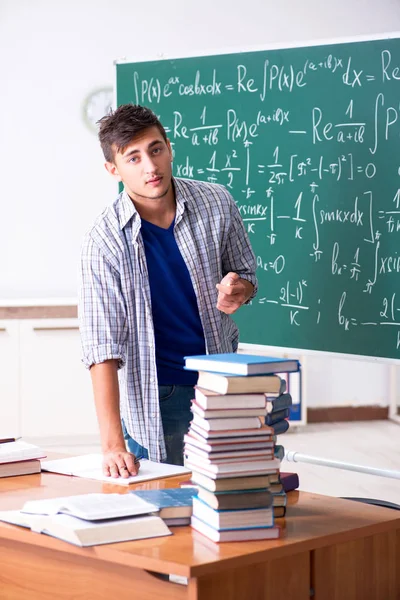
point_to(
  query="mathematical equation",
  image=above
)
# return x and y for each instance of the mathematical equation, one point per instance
(306, 141)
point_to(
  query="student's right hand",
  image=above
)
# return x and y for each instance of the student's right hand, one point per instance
(120, 464)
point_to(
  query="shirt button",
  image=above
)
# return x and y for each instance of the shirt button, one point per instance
(151, 379)
(154, 415)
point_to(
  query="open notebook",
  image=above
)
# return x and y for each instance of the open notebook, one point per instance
(89, 466)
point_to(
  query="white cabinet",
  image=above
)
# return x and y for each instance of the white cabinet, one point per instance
(9, 397)
(55, 388)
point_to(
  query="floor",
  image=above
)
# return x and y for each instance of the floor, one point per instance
(368, 443)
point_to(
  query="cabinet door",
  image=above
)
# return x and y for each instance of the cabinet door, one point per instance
(9, 405)
(56, 392)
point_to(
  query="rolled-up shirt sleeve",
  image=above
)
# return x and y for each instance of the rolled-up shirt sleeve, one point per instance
(101, 308)
(238, 255)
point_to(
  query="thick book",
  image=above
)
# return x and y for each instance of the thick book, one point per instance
(232, 454)
(89, 466)
(171, 503)
(255, 467)
(235, 500)
(227, 424)
(89, 533)
(241, 364)
(233, 519)
(238, 384)
(209, 400)
(264, 432)
(232, 483)
(279, 512)
(290, 481)
(227, 412)
(235, 535)
(278, 403)
(19, 450)
(275, 488)
(228, 460)
(91, 507)
(279, 499)
(22, 467)
(226, 444)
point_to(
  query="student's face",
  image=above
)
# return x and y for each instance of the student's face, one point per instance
(144, 166)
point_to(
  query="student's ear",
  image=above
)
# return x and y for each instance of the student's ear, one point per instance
(112, 169)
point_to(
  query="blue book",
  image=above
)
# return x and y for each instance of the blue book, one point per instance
(171, 503)
(241, 364)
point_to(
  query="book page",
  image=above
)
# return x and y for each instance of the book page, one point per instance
(91, 506)
(89, 466)
(15, 517)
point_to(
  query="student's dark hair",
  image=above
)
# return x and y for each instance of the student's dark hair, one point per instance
(121, 126)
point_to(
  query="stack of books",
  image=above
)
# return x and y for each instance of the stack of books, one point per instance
(230, 446)
(19, 458)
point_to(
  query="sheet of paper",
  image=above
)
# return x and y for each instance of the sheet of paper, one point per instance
(89, 467)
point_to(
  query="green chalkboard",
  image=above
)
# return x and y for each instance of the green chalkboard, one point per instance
(308, 142)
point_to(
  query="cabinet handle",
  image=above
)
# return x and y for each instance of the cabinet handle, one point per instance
(58, 328)
(3, 329)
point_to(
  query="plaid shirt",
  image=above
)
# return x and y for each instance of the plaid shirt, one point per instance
(114, 300)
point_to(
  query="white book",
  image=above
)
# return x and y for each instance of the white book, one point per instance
(227, 424)
(212, 400)
(89, 533)
(235, 535)
(227, 413)
(227, 456)
(253, 467)
(91, 506)
(233, 519)
(18, 451)
(89, 466)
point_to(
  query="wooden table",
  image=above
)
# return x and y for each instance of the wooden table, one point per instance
(331, 549)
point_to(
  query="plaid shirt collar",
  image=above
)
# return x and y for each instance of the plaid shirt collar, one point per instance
(128, 211)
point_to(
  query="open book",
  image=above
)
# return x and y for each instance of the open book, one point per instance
(89, 533)
(90, 467)
(18, 451)
(92, 506)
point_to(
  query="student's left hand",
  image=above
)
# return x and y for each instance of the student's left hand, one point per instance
(232, 293)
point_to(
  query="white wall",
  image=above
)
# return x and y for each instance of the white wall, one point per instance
(53, 53)
(53, 183)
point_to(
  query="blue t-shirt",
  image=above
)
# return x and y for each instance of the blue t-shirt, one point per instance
(177, 326)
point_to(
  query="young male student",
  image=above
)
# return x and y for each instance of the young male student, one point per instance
(161, 271)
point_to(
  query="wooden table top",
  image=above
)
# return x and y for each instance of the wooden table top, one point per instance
(312, 521)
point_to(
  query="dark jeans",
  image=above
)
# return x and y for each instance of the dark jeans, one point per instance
(175, 403)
